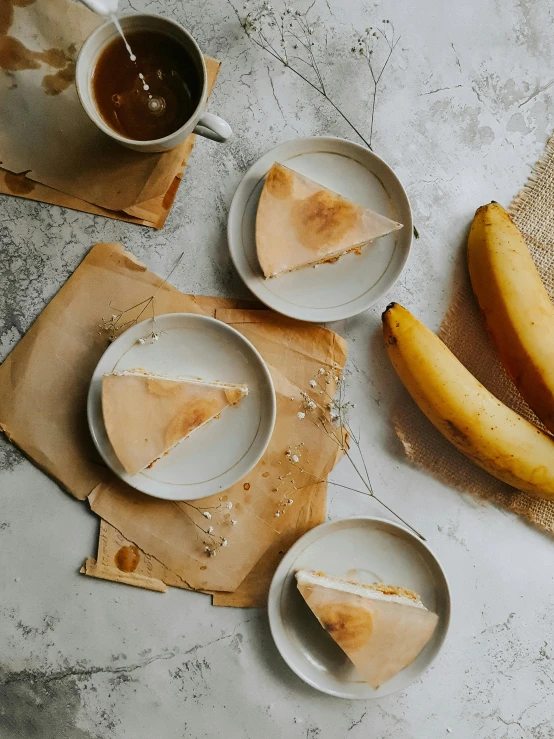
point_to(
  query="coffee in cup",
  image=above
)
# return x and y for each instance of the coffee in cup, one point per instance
(148, 90)
(150, 95)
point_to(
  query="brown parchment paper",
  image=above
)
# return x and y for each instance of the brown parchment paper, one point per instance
(47, 138)
(463, 331)
(267, 331)
(93, 568)
(44, 381)
(116, 555)
(43, 388)
(253, 590)
(169, 531)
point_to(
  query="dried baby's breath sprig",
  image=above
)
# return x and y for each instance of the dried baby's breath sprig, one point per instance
(120, 321)
(331, 416)
(292, 455)
(210, 535)
(283, 504)
(289, 36)
(153, 336)
(365, 47)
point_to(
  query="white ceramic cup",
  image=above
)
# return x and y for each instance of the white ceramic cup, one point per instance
(202, 123)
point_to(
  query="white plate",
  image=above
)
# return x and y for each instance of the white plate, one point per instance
(222, 452)
(345, 288)
(364, 549)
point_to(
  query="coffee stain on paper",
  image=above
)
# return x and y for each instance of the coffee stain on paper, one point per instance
(18, 184)
(6, 13)
(16, 57)
(57, 58)
(127, 558)
(6, 17)
(53, 84)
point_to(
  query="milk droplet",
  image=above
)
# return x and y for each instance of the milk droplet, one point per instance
(156, 105)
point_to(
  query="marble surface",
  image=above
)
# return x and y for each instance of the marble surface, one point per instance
(465, 110)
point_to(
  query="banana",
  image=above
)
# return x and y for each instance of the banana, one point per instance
(517, 310)
(478, 424)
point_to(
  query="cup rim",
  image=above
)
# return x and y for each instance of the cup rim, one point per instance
(91, 109)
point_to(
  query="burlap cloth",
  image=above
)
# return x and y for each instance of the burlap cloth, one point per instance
(463, 331)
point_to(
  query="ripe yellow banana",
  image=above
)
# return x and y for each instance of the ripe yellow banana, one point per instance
(517, 310)
(478, 424)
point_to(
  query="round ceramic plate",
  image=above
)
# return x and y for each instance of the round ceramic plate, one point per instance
(366, 550)
(354, 283)
(225, 450)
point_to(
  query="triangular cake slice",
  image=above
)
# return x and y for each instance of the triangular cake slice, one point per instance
(381, 628)
(146, 415)
(301, 223)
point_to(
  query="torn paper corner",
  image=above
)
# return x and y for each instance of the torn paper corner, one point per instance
(92, 495)
(95, 569)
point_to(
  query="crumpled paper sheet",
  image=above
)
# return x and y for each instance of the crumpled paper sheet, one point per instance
(266, 330)
(167, 530)
(119, 559)
(49, 148)
(94, 569)
(253, 590)
(44, 381)
(43, 390)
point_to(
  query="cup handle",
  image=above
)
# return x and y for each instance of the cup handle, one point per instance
(213, 127)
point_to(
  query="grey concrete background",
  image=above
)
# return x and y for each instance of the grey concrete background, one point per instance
(465, 111)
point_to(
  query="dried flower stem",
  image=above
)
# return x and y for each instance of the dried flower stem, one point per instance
(275, 31)
(333, 421)
(114, 326)
(213, 540)
(365, 49)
